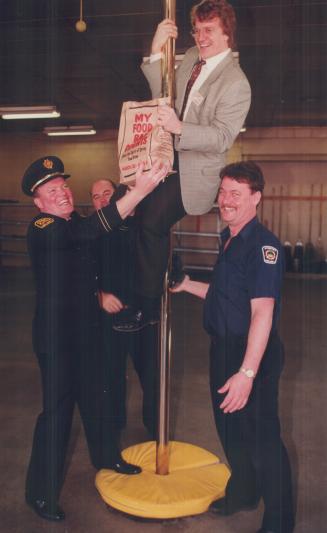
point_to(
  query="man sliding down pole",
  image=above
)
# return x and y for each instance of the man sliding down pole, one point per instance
(212, 101)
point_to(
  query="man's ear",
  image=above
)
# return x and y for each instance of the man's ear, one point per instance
(38, 202)
(257, 197)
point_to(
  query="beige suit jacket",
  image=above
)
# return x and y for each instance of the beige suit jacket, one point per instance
(213, 120)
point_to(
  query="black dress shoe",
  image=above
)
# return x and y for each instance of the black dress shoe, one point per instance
(223, 508)
(42, 509)
(176, 274)
(122, 467)
(131, 321)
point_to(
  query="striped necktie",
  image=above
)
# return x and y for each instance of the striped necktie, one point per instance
(194, 75)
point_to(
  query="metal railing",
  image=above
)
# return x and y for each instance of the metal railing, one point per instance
(13, 232)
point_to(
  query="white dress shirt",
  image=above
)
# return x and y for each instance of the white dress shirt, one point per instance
(206, 70)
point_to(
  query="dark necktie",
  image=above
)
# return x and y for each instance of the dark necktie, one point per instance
(194, 75)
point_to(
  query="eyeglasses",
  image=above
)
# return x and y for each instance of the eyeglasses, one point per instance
(195, 32)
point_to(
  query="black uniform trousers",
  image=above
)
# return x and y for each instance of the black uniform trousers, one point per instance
(69, 378)
(142, 347)
(251, 436)
(116, 348)
(157, 213)
(145, 359)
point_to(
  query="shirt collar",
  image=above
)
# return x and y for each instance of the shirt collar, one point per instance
(245, 231)
(225, 234)
(213, 61)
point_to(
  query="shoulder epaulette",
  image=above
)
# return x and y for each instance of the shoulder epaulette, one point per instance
(42, 223)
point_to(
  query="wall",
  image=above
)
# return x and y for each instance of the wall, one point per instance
(288, 155)
(86, 159)
(294, 161)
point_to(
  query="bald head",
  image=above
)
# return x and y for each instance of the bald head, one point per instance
(101, 192)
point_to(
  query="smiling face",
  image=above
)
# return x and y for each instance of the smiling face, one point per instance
(55, 198)
(101, 193)
(237, 203)
(209, 37)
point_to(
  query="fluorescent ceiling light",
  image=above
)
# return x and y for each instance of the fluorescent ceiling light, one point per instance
(69, 130)
(14, 113)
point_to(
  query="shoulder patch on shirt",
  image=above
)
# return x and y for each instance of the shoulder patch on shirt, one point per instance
(43, 222)
(270, 255)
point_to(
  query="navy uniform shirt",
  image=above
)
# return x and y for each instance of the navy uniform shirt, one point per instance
(251, 267)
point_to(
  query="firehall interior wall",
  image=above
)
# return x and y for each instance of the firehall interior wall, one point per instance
(294, 161)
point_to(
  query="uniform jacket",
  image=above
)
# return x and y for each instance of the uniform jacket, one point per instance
(213, 121)
(64, 268)
(115, 257)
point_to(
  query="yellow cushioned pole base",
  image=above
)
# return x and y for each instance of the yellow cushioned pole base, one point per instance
(196, 478)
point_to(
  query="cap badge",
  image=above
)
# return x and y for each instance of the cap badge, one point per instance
(47, 163)
(43, 222)
(270, 255)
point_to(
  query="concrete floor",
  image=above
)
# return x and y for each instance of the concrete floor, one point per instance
(303, 403)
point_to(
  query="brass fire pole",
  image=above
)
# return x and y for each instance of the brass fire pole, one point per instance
(202, 478)
(162, 449)
(168, 59)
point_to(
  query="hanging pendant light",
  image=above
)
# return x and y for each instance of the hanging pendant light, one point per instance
(80, 24)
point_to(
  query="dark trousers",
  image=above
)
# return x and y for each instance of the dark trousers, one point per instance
(142, 347)
(145, 359)
(156, 214)
(116, 347)
(251, 437)
(66, 380)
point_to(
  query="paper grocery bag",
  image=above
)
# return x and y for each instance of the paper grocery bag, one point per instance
(140, 139)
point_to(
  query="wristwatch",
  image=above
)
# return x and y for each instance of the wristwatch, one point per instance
(248, 372)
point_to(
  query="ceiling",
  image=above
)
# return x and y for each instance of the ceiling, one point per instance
(45, 61)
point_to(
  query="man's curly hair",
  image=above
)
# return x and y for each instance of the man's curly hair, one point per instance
(209, 9)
